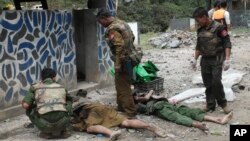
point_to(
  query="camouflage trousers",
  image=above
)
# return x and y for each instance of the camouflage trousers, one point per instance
(125, 99)
(211, 72)
(52, 122)
(178, 114)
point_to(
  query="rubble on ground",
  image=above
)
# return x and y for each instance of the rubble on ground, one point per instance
(174, 39)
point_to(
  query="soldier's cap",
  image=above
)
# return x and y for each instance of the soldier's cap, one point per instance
(103, 13)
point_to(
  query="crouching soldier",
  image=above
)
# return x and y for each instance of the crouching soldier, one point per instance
(48, 106)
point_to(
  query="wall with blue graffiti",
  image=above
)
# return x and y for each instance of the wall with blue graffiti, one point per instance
(30, 41)
(105, 63)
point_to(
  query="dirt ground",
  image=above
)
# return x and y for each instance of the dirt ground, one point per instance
(175, 68)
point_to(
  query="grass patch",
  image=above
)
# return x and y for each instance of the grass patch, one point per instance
(240, 30)
(144, 40)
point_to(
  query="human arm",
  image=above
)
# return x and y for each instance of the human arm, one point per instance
(226, 43)
(29, 99)
(118, 42)
(144, 98)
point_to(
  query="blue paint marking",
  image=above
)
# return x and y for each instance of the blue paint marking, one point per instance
(23, 92)
(10, 45)
(35, 20)
(40, 43)
(61, 38)
(69, 18)
(59, 18)
(26, 65)
(43, 21)
(51, 49)
(11, 26)
(54, 64)
(100, 52)
(8, 95)
(69, 58)
(52, 21)
(28, 77)
(25, 45)
(44, 56)
(27, 22)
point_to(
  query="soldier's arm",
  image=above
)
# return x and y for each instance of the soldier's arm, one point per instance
(117, 40)
(226, 43)
(197, 47)
(29, 99)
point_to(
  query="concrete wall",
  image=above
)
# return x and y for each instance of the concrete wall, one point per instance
(86, 44)
(30, 41)
(182, 24)
(240, 18)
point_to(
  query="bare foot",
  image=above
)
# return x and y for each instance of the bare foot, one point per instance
(226, 118)
(115, 135)
(200, 125)
(160, 132)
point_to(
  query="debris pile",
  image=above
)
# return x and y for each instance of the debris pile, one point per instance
(174, 39)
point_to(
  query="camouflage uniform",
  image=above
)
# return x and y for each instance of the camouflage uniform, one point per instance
(178, 114)
(49, 118)
(120, 40)
(212, 42)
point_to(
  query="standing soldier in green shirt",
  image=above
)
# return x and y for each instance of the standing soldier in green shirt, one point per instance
(120, 39)
(48, 106)
(214, 45)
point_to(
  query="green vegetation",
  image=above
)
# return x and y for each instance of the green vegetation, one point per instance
(144, 40)
(155, 15)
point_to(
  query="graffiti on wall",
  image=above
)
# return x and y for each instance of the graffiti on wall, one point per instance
(30, 41)
(105, 63)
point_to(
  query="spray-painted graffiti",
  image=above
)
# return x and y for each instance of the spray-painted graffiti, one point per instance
(105, 63)
(30, 41)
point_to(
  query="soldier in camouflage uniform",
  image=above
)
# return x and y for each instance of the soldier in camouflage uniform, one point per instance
(125, 56)
(214, 45)
(48, 106)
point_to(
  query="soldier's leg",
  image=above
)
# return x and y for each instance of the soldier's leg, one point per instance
(135, 123)
(217, 85)
(206, 73)
(103, 130)
(125, 99)
(193, 113)
(219, 120)
(169, 114)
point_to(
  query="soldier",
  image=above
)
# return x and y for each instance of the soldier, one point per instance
(214, 45)
(167, 109)
(48, 106)
(98, 118)
(120, 40)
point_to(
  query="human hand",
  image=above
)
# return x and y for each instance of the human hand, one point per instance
(117, 70)
(226, 65)
(173, 101)
(193, 64)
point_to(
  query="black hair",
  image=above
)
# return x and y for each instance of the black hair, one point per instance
(103, 13)
(199, 12)
(48, 73)
(216, 3)
(223, 4)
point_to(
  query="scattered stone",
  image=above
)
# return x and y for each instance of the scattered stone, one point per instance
(29, 125)
(131, 130)
(235, 123)
(173, 39)
(218, 133)
(77, 137)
